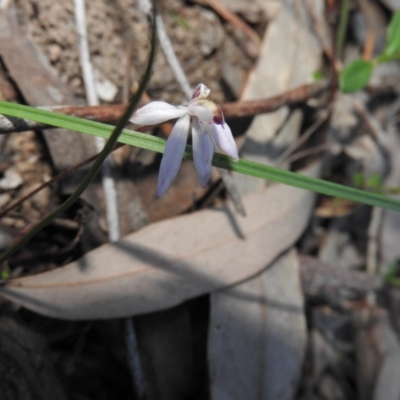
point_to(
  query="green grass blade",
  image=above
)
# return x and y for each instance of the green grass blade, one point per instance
(250, 168)
(50, 118)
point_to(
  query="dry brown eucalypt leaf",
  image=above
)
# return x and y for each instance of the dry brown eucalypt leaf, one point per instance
(169, 261)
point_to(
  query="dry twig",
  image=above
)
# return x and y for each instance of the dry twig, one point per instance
(232, 18)
(171, 57)
(111, 113)
(110, 192)
(302, 139)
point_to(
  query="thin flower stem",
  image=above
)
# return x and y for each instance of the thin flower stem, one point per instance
(100, 159)
(344, 16)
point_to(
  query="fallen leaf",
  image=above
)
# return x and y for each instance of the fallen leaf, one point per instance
(377, 353)
(257, 330)
(258, 335)
(170, 261)
(289, 55)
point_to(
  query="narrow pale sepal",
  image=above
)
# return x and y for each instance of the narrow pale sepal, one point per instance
(157, 112)
(203, 151)
(172, 157)
(225, 141)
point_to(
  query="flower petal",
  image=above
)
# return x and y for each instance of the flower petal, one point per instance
(201, 92)
(172, 157)
(156, 112)
(203, 150)
(202, 109)
(224, 139)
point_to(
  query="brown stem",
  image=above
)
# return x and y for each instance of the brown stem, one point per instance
(111, 113)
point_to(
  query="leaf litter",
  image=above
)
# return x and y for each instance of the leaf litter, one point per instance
(309, 325)
(170, 261)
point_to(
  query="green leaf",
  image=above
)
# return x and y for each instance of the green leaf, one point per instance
(5, 274)
(392, 275)
(393, 35)
(374, 181)
(355, 76)
(180, 20)
(246, 167)
(358, 179)
(318, 75)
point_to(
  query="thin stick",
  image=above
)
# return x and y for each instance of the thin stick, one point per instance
(376, 131)
(59, 177)
(373, 232)
(170, 55)
(128, 67)
(134, 361)
(232, 18)
(344, 15)
(319, 30)
(110, 192)
(373, 247)
(302, 139)
(110, 113)
(255, 107)
(308, 152)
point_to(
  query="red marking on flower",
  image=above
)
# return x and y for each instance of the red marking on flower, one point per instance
(218, 117)
(196, 92)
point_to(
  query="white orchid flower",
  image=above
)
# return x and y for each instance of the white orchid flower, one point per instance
(209, 133)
